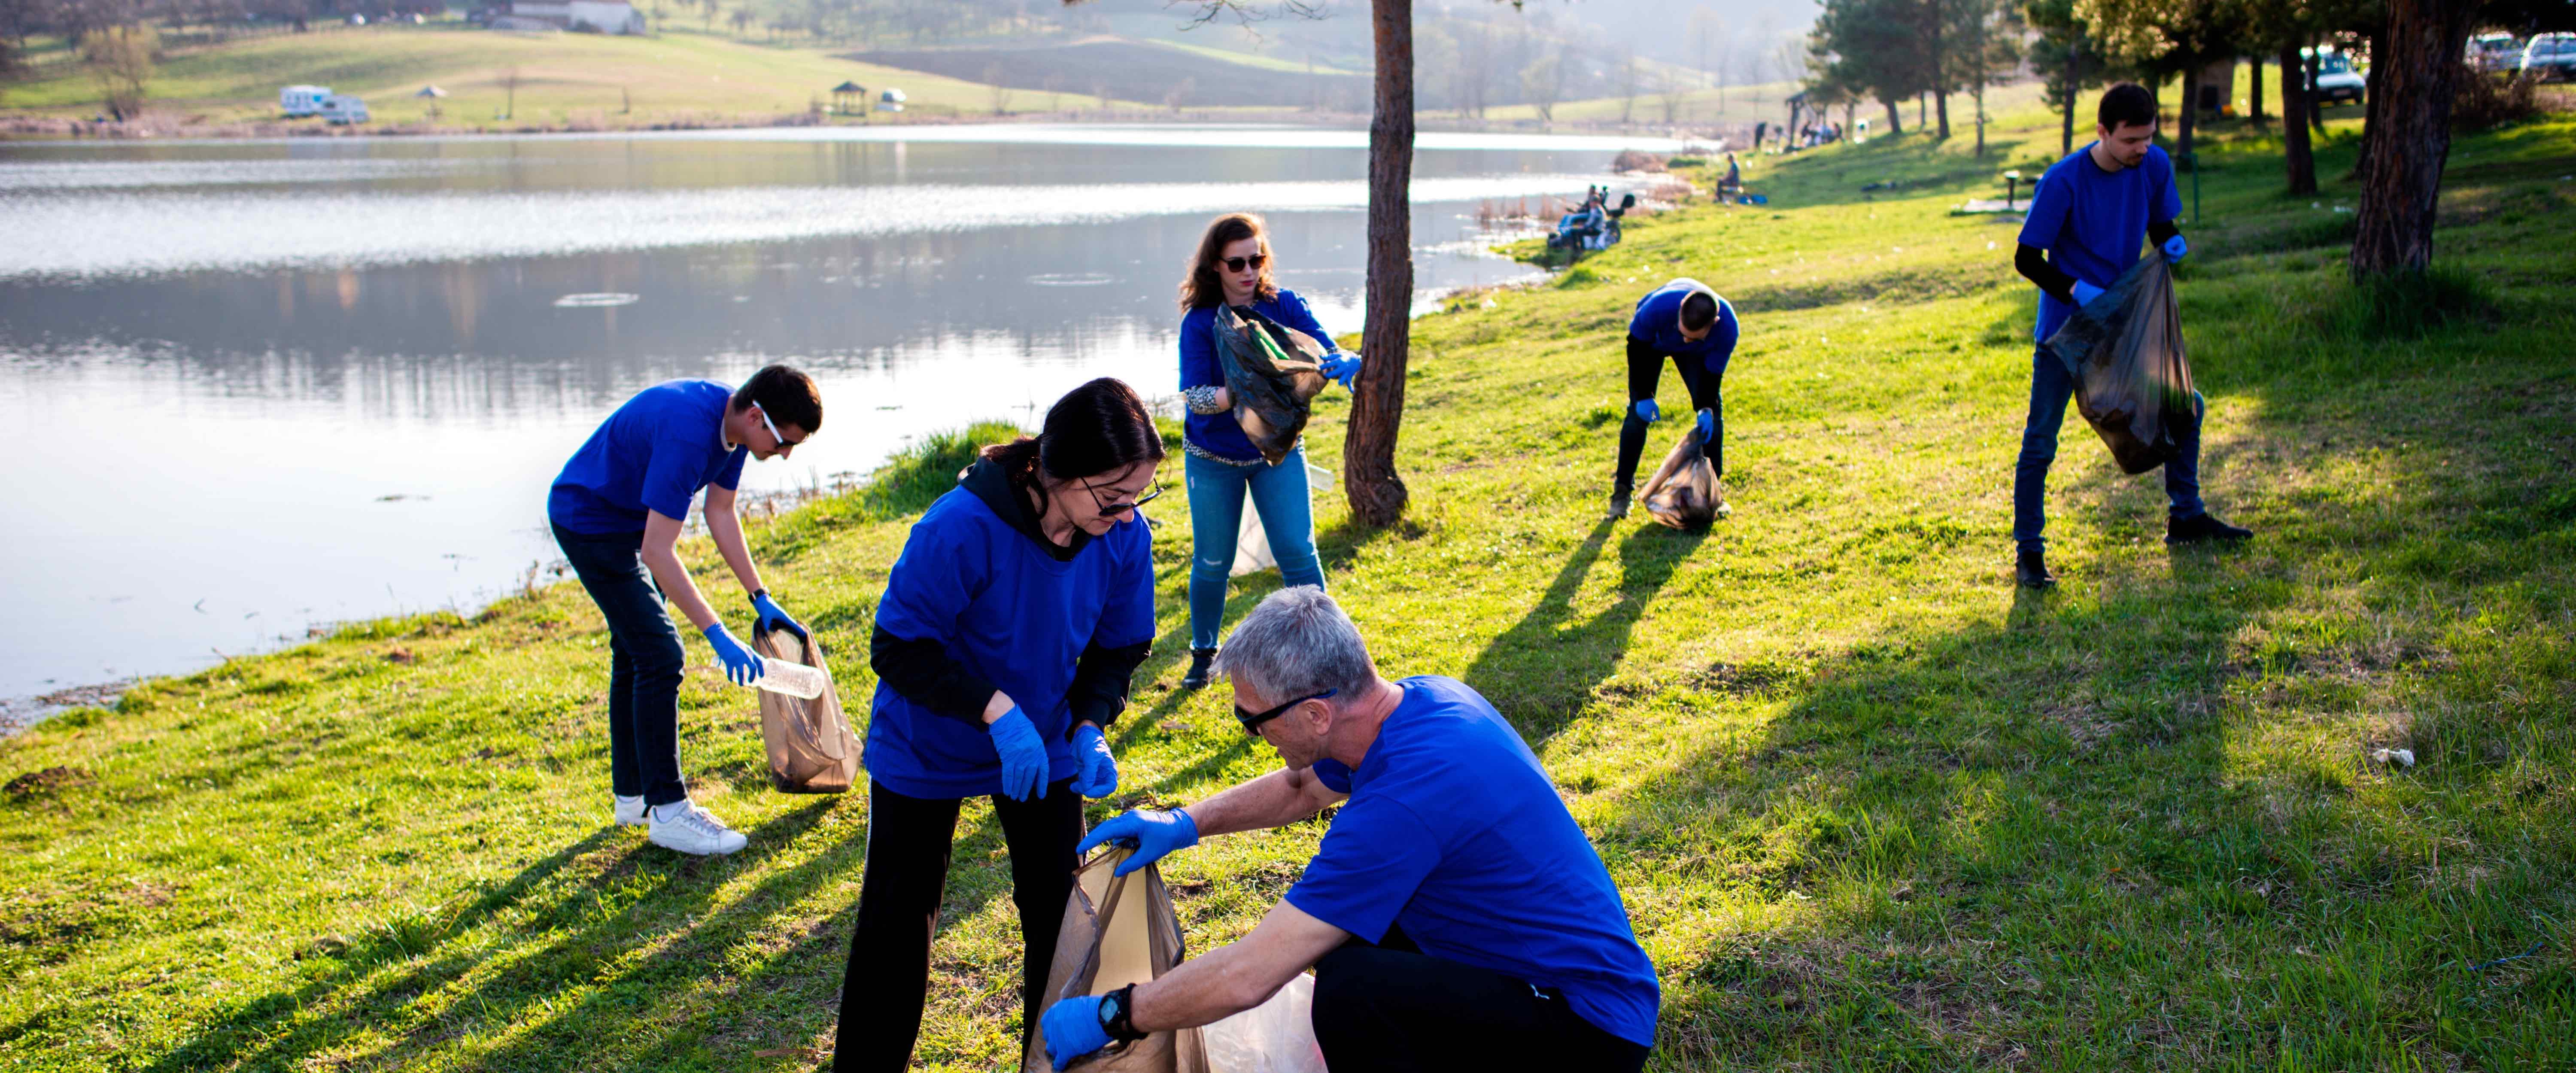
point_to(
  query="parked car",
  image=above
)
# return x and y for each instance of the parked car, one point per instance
(2336, 79)
(2550, 56)
(340, 110)
(298, 102)
(2494, 52)
(357, 19)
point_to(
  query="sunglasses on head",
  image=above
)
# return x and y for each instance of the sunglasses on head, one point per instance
(1252, 720)
(1237, 264)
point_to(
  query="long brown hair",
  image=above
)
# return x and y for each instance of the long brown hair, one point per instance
(1201, 288)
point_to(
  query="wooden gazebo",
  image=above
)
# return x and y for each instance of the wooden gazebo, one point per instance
(850, 98)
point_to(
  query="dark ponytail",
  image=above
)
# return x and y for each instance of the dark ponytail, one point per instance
(1094, 429)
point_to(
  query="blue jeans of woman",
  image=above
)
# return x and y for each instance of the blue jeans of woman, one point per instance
(644, 664)
(1216, 519)
(2050, 387)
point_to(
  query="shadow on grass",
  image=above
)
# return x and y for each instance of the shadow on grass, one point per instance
(1543, 670)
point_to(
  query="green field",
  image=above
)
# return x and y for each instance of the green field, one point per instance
(1871, 806)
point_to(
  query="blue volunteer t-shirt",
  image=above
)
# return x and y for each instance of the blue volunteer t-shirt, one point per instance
(2093, 222)
(654, 453)
(1454, 833)
(1218, 434)
(1658, 324)
(1011, 613)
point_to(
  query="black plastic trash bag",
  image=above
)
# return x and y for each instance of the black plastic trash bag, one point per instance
(2132, 380)
(1686, 492)
(1273, 372)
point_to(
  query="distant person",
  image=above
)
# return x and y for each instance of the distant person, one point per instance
(1687, 322)
(1456, 916)
(1005, 644)
(1759, 130)
(2088, 216)
(1734, 176)
(1234, 266)
(616, 510)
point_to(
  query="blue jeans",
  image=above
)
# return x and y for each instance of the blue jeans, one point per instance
(1216, 519)
(643, 664)
(2050, 387)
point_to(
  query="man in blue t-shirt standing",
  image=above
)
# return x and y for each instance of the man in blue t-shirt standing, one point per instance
(616, 510)
(1686, 321)
(1456, 917)
(2087, 219)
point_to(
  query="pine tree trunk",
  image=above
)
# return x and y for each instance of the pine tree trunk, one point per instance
(1895, 119)
(1979, 97)
(2190, 113)
(1940, 68)
(2256, 62)
(1369, 479)
(2316, 99)
(2371, 101)
(2296, 153)
(2416, 67)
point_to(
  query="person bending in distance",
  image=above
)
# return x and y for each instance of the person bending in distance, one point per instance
(2087, 218)
(1686, 321)
(1456, 917)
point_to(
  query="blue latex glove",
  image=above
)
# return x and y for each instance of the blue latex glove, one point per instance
(1098, 776)
(1153, 833)
(771, 618)
(1072, 1028)
(1024, 759)
(1707, 425)
(2085, 293)
(2175, 248)
(741, 667)
(1647, 411)
(1341, 367)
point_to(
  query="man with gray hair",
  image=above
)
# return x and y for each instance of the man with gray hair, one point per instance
(1455, 915)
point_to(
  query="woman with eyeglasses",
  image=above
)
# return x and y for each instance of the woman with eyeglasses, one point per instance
(1233, 267)
(1009, 631)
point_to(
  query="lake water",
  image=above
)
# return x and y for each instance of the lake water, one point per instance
(250, 388)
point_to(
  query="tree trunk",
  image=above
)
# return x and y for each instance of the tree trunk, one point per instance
(2371, 101)
(1894, 124)
(1369, 479)
(2416, 63)
(2296, 153)
(2316, 100)
(1940, 69)
(2066, 133)
(2257, 99)
(2190, 113)
(1979, 97)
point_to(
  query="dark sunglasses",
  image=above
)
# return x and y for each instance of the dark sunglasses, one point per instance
(1252, 720)
(1107, 508)
(1236, 264)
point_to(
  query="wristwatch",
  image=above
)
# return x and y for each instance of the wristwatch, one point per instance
(1116, 1015)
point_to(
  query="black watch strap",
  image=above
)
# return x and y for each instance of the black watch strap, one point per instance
(758, 593)
(1117, 1015)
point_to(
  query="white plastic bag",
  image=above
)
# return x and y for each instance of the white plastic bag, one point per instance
(1252, 553)
(1277, 1036)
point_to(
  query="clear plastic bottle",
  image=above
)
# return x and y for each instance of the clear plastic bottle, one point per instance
(790, 678)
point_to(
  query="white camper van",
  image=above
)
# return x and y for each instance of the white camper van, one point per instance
(301, 101)
(340, 110)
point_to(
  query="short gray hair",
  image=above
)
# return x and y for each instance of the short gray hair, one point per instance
(1297, 643)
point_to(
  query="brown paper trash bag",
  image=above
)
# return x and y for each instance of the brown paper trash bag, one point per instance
(1117, 931)
(1685, 492)
(1273, 372)
(811, 748)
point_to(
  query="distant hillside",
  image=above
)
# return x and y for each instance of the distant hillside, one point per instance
(1122, 69)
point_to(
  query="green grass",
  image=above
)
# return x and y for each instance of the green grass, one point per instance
(1870, 806)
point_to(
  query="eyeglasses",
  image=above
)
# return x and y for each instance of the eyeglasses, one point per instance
(1236, 264)
(1252, 720)
(782, 441)
(1108, 508)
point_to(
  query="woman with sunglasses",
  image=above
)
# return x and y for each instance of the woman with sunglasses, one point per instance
(1233, 266)
(1009, 631)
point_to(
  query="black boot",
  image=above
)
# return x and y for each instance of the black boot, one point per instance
(2032, 570)
(1619, 495)
(2200, 527)
(1198, 676)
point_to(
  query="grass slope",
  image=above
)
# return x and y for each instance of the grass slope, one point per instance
(1870, 806)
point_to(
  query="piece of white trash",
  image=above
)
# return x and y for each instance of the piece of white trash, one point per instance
(2399, 757)
(789, 677)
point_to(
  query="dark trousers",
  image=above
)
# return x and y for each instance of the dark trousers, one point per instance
(1645, 372)
(1393, 1009)
(2050, 388)
(643, 664)
(899, 893)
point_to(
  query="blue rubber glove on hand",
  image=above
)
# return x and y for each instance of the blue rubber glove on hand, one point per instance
(1341, 367)
(1154, 834)
(1707, 425)
(1072, 1028)
(771, 618)
(2175, 248)
(1024, 758)
(741, 667)
(1098, 775)
(2085, 293)
(1647, 411)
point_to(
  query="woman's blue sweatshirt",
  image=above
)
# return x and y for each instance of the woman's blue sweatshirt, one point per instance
(1218, 434)
(981, 600)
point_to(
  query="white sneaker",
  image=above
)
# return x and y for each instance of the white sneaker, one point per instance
(684, 827)
(630, 811)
